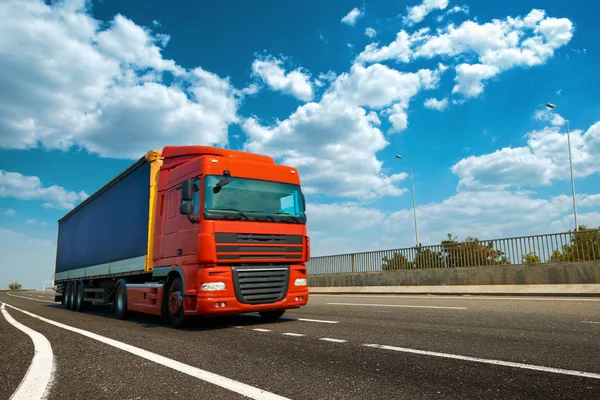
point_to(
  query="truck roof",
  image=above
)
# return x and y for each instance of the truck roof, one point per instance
(196, 151)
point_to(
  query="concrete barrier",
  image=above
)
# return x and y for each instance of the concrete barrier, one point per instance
(557, 278)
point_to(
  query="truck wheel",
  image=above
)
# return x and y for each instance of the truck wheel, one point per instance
(67, 295)
(121, 301)
(72, 293)
(271, 315)
(79, 294)
(175, 303)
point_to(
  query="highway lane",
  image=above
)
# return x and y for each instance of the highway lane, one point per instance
(295, 359)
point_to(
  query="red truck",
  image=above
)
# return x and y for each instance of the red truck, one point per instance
(188, 231)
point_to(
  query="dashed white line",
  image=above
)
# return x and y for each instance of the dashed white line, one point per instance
(261, 330)
(396, 305)
(29, 298)
(226, 383)
(293, 334)
(591, 322)
(317, 320)
(489, 361)
(38, 379)
(326, 339)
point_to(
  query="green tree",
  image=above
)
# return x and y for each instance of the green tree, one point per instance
(471, 253)
(531, 258)
(428, 258)
(397, 262)
(14, 286)
(584, 246)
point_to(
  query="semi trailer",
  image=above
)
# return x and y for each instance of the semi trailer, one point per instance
(188, 231)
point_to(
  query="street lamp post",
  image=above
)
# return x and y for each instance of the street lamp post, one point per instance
(551, 106)
(412, 184)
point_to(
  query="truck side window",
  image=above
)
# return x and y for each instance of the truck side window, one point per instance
(196, 200)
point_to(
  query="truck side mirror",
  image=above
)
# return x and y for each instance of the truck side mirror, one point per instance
(186, 209)
(187, 190)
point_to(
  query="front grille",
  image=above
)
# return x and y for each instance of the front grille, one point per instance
(260, 284)
(258, 247)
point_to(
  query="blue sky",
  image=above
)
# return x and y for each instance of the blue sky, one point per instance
(336, 89)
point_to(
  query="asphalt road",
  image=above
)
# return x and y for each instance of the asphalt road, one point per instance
(337, 347)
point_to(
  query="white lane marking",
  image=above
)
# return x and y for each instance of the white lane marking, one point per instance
(333, 340)
(261, 330)
(590, 322)
(38, 379)
(397, 305)
(454, 297)
(229, 384)
(29, 298)
(317, 320)
(293, 334)
(489, 361)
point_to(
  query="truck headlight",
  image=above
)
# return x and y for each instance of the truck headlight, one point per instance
(300, 282)
(210, 286)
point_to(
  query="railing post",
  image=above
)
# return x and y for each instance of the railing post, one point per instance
(352, 263)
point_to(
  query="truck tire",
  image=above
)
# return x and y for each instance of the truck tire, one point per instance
(72, 292)
(271, 315)
(79, 295)
(67, 296)
(120, 303)
(175, 304)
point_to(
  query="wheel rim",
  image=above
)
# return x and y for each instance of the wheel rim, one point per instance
(175, 301)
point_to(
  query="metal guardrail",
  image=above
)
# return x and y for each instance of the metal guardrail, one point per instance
(583, 245)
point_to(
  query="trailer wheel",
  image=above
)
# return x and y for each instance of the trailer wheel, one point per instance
(79, 295)
(271, 315)
(175, 303)
(72, 295)
(121, 301)
(67, 295)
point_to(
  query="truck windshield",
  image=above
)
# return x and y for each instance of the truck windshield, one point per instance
(253, 199)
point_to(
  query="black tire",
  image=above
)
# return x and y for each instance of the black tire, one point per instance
(79, 295)
(67, 296)
(72, 292)
(120, 303)
(174, 304)
(272, 315)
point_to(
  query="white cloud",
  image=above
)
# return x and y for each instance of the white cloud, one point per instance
(417, 13)
(25, 259)
(81, 84)
(485, 49)
(548, 115)
(296, 83)
(436, 104)
(34, 221)
(352, 16)
(370, 32)
(18, 186)
(543, 160)
(9, 212)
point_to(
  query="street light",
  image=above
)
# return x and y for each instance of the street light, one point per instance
(551, 106)
(412, 183)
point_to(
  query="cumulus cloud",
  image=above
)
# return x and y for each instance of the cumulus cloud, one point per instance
(418, 13)
(543, 160)
(352, 16)
(83, 84)
(488, 48)
(296, 82)
(370, 32)
(18, 186)
(436, 104)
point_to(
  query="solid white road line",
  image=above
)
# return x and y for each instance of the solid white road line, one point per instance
(456, 297)
(591, 322)
(317, 320)
(488, 361)
(261, 330)
(333, 340)
(229, 384)
(293, 334)
(38, 379)
(29, 298)
(397, 305)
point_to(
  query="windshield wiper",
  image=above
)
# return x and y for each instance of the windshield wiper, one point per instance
(240, 213)
(292, 216)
